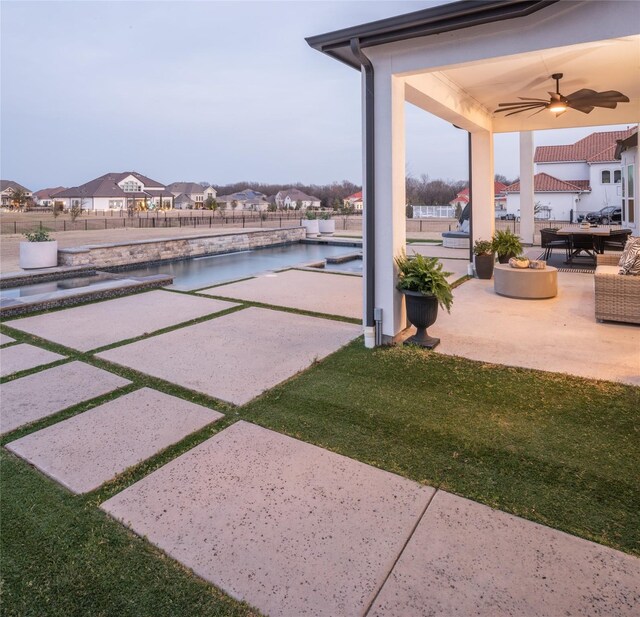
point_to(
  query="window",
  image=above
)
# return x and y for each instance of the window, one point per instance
(115, 203)
(606, 177)
(617, 176)
(131, 187)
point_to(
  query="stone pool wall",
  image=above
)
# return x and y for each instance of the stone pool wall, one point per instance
(166, 249)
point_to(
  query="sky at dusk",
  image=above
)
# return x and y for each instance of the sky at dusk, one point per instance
(200, 91)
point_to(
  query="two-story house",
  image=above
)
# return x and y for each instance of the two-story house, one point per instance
(576, 178)
(118, 191)
(7, 190)
(190, 195)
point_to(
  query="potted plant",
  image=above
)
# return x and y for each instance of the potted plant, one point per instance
(310, 223)
(506, 244)
(425, 287)
(39, 251)
(484, 258)
(326, 224)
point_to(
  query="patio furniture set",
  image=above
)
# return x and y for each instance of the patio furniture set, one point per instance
(575, 241)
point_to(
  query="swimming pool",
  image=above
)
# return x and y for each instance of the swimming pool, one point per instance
(201, 272)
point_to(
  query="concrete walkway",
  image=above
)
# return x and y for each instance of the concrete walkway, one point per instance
(296, 530)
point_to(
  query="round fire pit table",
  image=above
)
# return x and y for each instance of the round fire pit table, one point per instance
(525, 283)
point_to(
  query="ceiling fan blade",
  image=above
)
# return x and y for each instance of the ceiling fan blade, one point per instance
(526, 98)
(516, 104)
(527, 108)
(585, 108)
(517, 111)
(584, 93)
(614, 95)
(535, 113)
(559, 113)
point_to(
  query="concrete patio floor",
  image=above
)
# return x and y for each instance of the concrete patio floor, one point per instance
(91, 326)
(238, 356)
(4, 339)
(559, 334)
(331, 294)
(296, 530)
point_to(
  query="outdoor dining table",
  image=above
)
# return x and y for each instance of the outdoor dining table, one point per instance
(596, 233)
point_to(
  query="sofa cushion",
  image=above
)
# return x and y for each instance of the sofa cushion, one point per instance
(607, 270)
(630, 259)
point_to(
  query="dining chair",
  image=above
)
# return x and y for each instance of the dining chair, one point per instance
(549, 240)
(616, 240)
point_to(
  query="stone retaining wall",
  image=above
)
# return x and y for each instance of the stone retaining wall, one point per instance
(108, 255)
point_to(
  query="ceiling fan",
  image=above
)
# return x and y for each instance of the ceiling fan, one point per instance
(584, 100)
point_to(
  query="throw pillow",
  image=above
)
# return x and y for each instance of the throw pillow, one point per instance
(630, 259)
(625, 251)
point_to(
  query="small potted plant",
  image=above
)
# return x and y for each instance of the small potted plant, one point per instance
(506, 245)
(425, 287)
(39, 251)
(326, 224)
(484, 258)
(310, 223)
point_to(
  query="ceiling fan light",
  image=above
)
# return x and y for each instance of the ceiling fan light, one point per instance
(557, 107)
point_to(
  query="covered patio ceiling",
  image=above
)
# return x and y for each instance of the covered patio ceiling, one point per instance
(476, 88)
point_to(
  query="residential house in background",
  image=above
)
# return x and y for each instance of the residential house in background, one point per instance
(118, 191)
(7, 189)
(289, 199)
(189, 195)
(590, 169)
(499, 198)
(354, 201)
(248, 200)
(554, 198)
(46, 197)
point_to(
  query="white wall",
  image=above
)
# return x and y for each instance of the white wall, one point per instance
(602, 194)
(560, 204)
(565, 171)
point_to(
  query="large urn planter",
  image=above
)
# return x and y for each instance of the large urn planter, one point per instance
(312, 227)
(327, 227)
(504, 259)
(484, 265)
(38, 254)
(422, 312)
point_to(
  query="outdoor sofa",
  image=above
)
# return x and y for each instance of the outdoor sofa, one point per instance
(617, 295)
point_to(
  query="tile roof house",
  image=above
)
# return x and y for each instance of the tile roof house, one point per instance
(354, 201)
(118, 191)
(289, 199)
(576, 178)
(7, 188)
(190, 194)
(462, 198)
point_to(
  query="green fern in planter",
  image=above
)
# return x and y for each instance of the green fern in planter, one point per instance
(424, 275)
(505, 242)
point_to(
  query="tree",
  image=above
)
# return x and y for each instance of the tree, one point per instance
(272, 207)
(76, 209)
(19, 198)
(501, 178)
(210, 203)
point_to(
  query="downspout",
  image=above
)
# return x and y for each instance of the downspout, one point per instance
(373, 326)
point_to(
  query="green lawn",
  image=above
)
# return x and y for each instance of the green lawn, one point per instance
(558, 450)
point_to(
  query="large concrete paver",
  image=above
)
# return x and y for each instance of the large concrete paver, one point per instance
(103, 323)
(291, 528)
(23, 357)
(237, 356)
(40, 395)
(4, 339)
(332, 294)
(467, 559)
(86, 450)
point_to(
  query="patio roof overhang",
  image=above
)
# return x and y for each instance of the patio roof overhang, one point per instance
(458, 61)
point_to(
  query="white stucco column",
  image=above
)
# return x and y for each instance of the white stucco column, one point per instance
(527, 225)
(482, 188)
(390, 230)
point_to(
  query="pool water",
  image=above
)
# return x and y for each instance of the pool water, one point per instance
(49, 287)
(200, 272)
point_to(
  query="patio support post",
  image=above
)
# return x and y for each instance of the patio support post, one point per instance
(483, 207)
(390, 215)
(527, 224)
